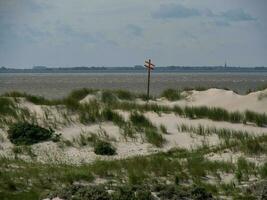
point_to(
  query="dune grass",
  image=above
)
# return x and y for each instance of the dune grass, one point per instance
(89, 112)
(246, 141)
(163, 129)
(258, 119)
(139, 120)
(125, 95)
(171, 94)
(7, 107)
(153, 137)
(110, 115)
(216, 114)
(178, 166)
(79, 94)
(110, 98)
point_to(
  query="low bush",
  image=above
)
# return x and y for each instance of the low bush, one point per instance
(82, 192)
(104, 148)
(24, 133)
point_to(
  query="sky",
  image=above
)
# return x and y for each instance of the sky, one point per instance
(69, 33)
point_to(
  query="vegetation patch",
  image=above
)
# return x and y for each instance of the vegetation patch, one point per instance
(80, 94)
(139, 120)
(110, 115)
(24, 133)
(108, 97)
(89, 112)
(171, 94)
(153, 137)
(7, 107)
(104, 148)
(124, 95)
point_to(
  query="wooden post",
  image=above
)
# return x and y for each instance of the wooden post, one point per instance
(149, 66)
(148, 83)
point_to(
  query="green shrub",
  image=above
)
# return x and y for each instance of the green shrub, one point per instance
(199, 193)
(104, 148)
(79, 192)
(24, 133)
(171, 94)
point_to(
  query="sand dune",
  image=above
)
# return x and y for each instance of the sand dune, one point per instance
(127, 147)
(256, 101)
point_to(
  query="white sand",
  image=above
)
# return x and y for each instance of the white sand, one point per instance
(223, 99)
(127, 147)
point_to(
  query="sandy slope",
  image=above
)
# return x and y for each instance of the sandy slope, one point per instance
(224, 99)
(126, 147)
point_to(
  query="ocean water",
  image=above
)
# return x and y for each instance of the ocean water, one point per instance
(57, 85)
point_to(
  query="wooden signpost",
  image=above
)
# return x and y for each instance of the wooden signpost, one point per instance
(150, 66)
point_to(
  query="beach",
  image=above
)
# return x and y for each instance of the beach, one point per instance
(172, 122)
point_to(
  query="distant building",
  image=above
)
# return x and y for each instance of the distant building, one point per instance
(39, 67)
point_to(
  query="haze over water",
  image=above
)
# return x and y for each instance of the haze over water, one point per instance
(60, 84)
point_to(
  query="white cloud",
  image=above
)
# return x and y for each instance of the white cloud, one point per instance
(124, 32)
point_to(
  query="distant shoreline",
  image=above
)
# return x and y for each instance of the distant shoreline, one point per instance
(137, 69)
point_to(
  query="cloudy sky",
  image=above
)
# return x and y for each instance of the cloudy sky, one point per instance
(124, 32)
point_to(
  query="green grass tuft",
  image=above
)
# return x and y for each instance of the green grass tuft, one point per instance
(171, 94)
(153, 137)
(139, 120)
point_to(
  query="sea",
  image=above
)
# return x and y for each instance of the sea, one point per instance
(58, 85)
